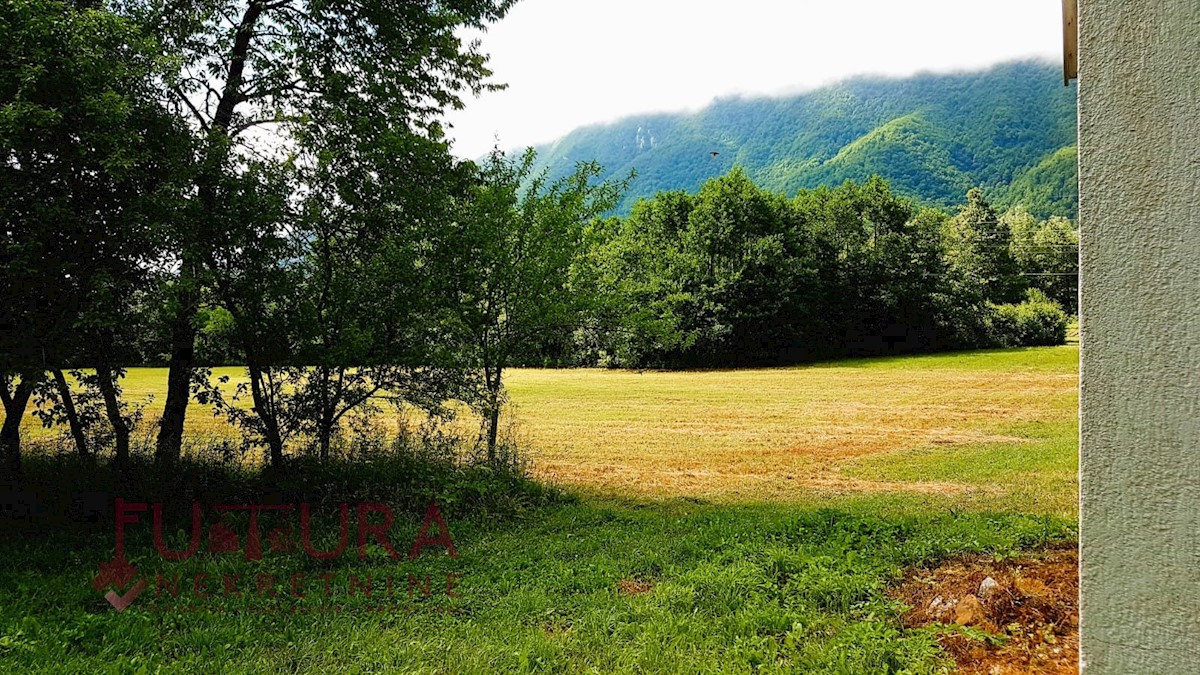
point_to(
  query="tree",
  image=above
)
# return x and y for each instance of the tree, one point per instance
(330, 295)
(285, 67)
(746, 266)
(84, 188)
(640, 311)
(873, 268)
(1047, 252)
(518, 237)
(978, 251)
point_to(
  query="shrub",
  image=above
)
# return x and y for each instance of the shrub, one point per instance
(1038, 321)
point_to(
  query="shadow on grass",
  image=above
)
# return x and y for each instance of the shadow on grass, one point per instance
(60, 491)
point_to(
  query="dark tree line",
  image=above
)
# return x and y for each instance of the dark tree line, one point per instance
(736, 275)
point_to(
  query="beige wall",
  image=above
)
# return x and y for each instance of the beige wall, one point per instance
(1139, 155)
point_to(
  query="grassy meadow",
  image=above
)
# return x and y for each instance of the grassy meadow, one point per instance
(716, 521)
(992, 429)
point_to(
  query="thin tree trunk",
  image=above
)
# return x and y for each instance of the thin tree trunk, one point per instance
(10, 431)
(325, 432)
(112, 408)
(179, 381)
(68, 402)
(265, 409)
(324, 426)
(493, 386)
(493, 431)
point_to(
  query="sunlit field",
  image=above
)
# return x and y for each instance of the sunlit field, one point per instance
(991, 429)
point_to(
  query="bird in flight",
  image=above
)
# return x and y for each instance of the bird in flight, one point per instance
(714, 153)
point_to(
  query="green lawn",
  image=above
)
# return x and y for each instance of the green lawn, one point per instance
(792, 588)
(729, 521)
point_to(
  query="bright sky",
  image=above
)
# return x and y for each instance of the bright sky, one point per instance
(574, 62)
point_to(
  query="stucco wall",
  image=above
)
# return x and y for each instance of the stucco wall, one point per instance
(1139, 155)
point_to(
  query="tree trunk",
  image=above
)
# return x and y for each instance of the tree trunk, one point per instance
(68, 402)
(112, 408)
(183, 334)
(10, 432)
(179, 380)
(324, 425)
(325, 432)
(265, 409)
(493, 431)
(494, 384)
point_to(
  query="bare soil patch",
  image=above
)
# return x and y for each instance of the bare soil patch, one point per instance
(633, 587)
(1029, 609)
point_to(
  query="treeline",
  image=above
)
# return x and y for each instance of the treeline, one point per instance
(272, 176)
(736, 275)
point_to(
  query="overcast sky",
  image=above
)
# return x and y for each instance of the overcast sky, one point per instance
(574, 62)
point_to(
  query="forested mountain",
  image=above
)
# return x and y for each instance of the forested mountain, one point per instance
(1009, 129)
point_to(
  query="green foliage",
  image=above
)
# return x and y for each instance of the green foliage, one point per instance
(303, 111)
(515, 242)
(87, 159)
(89, 167)
(704, 278)
(930, 136)
(735, 275)
(1051, 188)
(978, 252)
(1037, 321)
(1047, 251)
(216, 341)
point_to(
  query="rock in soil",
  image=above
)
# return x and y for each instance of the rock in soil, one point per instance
(970, 612)
(987, 588)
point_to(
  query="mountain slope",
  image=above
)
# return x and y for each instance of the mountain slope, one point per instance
(932, 135)
(1049, 188)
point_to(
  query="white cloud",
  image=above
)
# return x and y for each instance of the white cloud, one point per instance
(575, 62)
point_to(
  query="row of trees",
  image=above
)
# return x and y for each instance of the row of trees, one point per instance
(737, 275)
(276, 163)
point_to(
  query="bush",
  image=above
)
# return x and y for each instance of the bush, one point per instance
(1038, 321)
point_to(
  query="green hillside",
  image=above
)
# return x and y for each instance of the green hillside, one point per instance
(1049, 188)
(1010, 129)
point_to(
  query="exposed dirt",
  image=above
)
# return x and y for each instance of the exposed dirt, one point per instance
(1031, 611)
(633, 587)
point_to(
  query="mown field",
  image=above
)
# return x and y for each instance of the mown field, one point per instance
(725, 521)
(990, 429)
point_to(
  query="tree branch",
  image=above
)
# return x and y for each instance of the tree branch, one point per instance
(231, 95)
(195, 112)
(239, 128)
(4, 394)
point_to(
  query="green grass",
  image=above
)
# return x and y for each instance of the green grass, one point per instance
(758, 516)
(791, 588)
